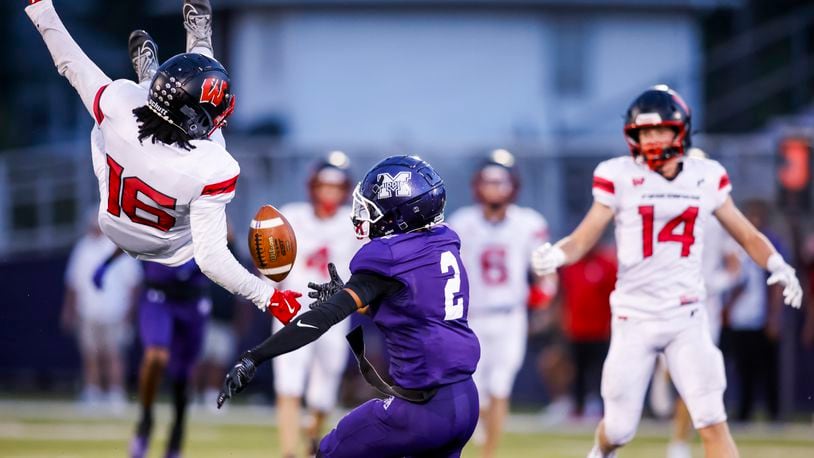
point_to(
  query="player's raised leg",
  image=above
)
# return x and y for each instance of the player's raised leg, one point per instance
(143, 55)
(198, 24)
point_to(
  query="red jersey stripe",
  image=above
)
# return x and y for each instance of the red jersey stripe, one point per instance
(224, 187)
(724, 181)
(97, 110)
(603, 184)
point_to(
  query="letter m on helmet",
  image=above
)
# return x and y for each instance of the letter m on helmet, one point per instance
(213, 90)
(390, 186)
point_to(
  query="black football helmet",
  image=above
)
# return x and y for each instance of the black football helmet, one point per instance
(192, 92)
(658, 106)
(498, 166)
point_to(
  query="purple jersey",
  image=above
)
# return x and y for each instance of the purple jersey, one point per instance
(424, 325)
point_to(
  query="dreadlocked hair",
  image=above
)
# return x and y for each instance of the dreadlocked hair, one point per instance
(151, 125)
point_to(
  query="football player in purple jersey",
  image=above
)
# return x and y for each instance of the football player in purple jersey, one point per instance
(411, 276)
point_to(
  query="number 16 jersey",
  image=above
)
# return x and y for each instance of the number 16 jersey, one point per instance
(659, 231)
(147, 188)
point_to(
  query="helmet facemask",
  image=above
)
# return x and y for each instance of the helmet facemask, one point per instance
(655, 156)
(364, 213)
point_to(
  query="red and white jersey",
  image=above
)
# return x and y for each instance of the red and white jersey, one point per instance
(147, 188)
(319, 241)
(497, 255)
(660, 228)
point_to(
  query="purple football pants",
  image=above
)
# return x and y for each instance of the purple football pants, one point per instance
(177, 326)
(394, 427)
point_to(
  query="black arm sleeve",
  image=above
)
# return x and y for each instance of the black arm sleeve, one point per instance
(309, 326)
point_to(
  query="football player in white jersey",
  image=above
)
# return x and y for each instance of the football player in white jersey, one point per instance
(164, 174)
(497, 239)
(660, 201)
(321, 225)
(720, 267)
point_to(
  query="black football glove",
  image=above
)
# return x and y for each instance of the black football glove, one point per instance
(322, 291)
(236, 380)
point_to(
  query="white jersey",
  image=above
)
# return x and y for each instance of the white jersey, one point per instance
(319, 241)
(110, 303)
(157, 199)
(315, 370)
(660, 227)
(147, 188)
(497, 255)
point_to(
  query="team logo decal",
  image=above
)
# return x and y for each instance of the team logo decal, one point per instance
(213, 90)
(394, 186)
(638, 181)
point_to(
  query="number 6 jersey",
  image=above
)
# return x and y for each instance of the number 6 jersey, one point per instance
(659, 231)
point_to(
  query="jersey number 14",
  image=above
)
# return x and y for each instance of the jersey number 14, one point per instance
(668, 233)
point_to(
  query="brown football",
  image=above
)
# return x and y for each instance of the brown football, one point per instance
(272, 243)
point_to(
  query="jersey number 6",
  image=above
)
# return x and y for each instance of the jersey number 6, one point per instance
(122, 195)
(667, 233)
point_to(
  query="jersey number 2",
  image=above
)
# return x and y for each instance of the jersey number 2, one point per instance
(453, 306)
(667, 233)
(122, 195)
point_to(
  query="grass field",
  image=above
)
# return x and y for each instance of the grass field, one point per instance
(58, 429)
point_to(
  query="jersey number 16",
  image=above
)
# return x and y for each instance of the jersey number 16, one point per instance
(122, 195)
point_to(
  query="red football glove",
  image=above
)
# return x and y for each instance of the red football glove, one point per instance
(283, 305)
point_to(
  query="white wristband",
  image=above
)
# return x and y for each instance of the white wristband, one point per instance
(776, 263)
(559, 255)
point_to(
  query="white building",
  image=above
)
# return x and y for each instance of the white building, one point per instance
(455, 74)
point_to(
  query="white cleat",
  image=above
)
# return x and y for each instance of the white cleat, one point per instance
(198, 24)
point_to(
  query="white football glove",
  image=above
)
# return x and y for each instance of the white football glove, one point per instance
(783, 274)
(546, 259)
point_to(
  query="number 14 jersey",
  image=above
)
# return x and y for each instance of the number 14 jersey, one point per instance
(659, 231)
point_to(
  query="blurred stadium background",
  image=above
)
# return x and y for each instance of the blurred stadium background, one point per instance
(449, 80)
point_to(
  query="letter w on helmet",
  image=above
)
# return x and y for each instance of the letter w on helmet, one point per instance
(213, 90)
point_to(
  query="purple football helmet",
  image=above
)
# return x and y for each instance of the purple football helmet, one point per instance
(399, 194)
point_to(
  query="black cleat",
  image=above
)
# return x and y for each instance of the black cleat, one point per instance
(143, 55)
(198, 24)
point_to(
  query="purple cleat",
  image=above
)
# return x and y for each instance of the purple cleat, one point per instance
(138, 448)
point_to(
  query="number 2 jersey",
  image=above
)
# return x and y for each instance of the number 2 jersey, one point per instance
(424, 325)
(659, 231)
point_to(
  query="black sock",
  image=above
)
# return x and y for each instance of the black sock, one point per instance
(145, 424)
(179, 402)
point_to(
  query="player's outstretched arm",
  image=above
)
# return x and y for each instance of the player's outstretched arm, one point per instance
(208, 224)
(70, 60)
(362, 288)
(761, 250)
(547, 258)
